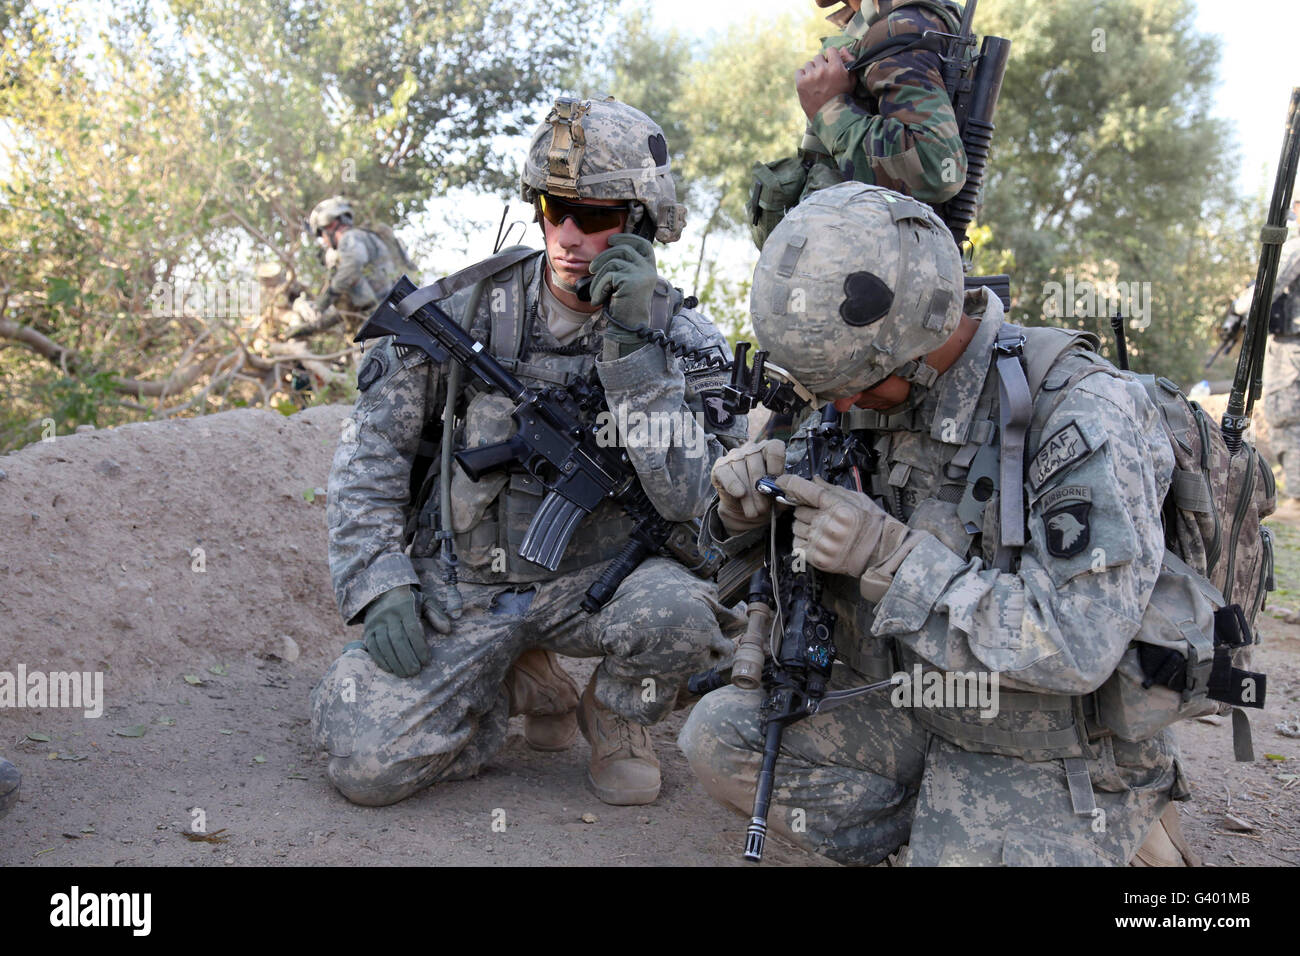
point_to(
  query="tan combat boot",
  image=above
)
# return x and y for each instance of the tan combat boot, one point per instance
(624, 770)
(546, 695)
(1165, 845)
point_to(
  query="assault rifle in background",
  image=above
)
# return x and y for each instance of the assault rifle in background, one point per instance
(1248, 383)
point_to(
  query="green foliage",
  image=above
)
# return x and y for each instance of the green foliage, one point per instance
(77, 401)
(1107, 167)
(722, 107)
(154, 151)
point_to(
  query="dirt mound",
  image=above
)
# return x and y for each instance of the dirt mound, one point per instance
(162, 546)
(99, 571)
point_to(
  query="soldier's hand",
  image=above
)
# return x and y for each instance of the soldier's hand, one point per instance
(625, 273)
(740, 506)
(823, 78)
(394, 636)
(840, 531)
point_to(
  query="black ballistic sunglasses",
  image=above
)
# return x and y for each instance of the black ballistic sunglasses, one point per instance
(587, 218)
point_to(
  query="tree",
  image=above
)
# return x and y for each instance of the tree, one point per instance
(150, 166)
(1107, 168)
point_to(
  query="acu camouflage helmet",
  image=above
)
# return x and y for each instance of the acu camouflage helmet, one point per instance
(855, 284)
(604, 149)
(328, 210)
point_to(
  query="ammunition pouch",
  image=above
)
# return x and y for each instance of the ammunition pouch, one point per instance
(780, 185)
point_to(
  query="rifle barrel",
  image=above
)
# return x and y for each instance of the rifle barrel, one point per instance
(1248, 381)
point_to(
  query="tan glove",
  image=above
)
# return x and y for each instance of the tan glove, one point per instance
(739, 506)
(845, 532)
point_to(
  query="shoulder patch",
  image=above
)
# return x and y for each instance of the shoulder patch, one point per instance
(1063, 448)
(372, 371)
(715, 411)
(1067, 527)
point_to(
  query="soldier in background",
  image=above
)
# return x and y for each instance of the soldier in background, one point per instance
(363, 264)
(890, 122)
(9, 782)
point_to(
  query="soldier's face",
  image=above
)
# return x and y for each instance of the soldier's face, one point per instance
(892, 391)
(570, 250)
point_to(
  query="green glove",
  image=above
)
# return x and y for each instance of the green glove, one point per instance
(625, 273)
(394, 637)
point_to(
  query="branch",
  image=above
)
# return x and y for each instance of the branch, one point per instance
(259, 236)
(72, 364)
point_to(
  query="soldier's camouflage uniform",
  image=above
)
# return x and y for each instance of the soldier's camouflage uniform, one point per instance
(1282, 371)
(857, 781)
(897, 128)
(389, 736)
(365, 271)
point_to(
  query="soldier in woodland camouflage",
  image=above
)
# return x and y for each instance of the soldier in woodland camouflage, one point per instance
(933, 578)
(427, 695)
(891, 122)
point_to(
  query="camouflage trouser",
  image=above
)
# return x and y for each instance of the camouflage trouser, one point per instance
(1282, 406)
(857, 781)
(388, 736)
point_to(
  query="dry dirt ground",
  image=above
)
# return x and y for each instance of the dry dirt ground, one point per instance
(185, 561)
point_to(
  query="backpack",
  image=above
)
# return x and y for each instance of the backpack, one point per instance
(395, 249)
(1192, 655)
(1192, 652)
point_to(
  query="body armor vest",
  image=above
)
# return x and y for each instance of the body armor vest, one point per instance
(958, 502)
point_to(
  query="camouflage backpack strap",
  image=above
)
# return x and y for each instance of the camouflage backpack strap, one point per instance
(506, 305)
(1021, 374)
(449, 285)
(903, 42)
(1015, 407)
(1046, 346)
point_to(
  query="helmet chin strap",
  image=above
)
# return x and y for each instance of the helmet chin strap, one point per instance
(921, 376)
(915, 396)
(556, 280)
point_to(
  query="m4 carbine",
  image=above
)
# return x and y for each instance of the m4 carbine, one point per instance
(556, 440)
(800, 651)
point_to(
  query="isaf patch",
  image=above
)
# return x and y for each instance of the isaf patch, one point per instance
(371, 372)
(1066, 516)
(1064, 448)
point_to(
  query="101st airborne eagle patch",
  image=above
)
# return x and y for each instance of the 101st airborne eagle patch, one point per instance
(1064, 448)
(1065, 520)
